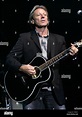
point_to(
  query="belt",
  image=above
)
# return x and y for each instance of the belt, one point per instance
(46, 88)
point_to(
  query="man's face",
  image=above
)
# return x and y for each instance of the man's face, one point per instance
(40, 18)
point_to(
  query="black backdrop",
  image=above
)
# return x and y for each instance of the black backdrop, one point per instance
(64, 20)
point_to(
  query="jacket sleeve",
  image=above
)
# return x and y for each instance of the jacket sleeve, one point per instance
(15, 55)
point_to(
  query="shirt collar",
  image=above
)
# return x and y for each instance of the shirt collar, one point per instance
(43, 36)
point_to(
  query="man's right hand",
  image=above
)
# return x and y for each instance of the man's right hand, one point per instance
(28, 69)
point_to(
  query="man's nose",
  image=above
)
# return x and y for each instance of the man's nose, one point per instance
(42, 15)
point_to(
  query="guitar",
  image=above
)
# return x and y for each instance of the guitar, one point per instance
(20, 86)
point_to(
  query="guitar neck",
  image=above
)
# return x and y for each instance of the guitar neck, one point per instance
(55, 59)
(58, 57)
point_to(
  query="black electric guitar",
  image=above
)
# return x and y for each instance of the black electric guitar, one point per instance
(20, 86)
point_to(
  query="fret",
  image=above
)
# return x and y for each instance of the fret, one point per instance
(54, 59)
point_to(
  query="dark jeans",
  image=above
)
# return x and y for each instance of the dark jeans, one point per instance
(44, 100)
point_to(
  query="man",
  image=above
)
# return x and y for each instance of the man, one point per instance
(35, 44)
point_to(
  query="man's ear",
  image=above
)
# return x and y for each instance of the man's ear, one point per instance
(32, 21)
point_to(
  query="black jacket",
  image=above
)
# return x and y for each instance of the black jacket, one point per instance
(26, 49)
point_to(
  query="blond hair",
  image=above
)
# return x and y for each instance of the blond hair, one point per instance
(34, 8)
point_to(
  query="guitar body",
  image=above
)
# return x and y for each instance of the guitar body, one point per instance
(20, 86)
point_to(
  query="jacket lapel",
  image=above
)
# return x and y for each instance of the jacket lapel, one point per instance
(35, 38)
(51, 45)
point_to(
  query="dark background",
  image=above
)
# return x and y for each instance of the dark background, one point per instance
(64, 20)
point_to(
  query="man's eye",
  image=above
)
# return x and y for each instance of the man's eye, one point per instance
(38, 15)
